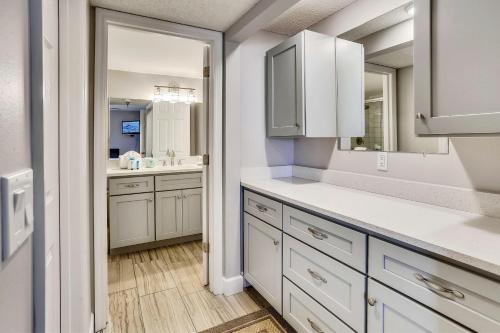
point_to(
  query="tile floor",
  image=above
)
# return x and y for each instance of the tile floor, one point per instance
(160, 291)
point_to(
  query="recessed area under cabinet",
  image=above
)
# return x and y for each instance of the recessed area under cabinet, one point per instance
(314, 87)
(325, 286)
(154, 208)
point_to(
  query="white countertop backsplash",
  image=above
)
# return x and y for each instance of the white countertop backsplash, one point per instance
(469, 238)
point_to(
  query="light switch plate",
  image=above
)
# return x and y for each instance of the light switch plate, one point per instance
(382, 161)
(17, 210)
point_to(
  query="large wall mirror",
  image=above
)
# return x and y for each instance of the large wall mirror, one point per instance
(389, 89)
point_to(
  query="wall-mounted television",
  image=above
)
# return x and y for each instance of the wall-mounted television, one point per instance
(131, 127)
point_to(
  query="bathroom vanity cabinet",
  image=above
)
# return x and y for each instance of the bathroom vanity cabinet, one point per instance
(314, 87)
(325, 275)
(152, 208)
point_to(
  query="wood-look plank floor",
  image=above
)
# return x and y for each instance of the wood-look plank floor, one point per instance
(161, 291)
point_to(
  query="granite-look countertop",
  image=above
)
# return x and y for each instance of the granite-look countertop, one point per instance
(153, 171)
(471, 239)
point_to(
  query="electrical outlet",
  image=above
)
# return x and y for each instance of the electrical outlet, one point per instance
(382, 161)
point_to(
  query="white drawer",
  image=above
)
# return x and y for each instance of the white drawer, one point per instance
(178, 181)
(390, 312)
(342, 243)
(306, 315)
(337, 287)
(468, 298)
(118, 186)
(265, 209)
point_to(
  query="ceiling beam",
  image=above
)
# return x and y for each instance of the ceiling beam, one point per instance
(257, 18)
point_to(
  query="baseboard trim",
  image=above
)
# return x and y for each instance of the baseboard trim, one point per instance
(233, 285)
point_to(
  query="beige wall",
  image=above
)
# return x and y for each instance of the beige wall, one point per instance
(16, 282)
(473, 162)
(141, 86)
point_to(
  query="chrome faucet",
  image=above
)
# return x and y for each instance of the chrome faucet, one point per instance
(179, 161)
(171, 154)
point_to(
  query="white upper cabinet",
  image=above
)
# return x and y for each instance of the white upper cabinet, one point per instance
(315, 87)
(457, 72)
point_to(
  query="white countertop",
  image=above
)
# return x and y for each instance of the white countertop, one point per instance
(468, 238)
(153, 171)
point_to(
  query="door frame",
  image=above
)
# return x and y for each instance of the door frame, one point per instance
(104, 18)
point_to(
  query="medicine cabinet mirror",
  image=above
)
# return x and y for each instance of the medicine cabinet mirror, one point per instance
(389, 89)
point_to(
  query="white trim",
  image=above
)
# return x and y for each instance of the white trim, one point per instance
(233, 285)
(91, 323)
(214, 39)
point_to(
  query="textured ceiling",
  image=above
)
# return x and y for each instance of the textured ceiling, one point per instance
(304, 14)
(153, 53)
(214, 14)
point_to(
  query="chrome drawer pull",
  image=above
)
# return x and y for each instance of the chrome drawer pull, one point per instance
(436, 288)
(317, 234)
(316, 275)
(261, 208)
(314, 326)
(372, 301)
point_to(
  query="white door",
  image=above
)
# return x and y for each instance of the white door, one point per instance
(390, 312)
(191, 212)
(171, 129)
(131, 219)
(263, 260)
(168, 214)
(204, 151)
(50, 32)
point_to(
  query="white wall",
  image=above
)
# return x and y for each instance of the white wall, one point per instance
(472, 162)
(16, 282)
(245, 141)
(141, 86)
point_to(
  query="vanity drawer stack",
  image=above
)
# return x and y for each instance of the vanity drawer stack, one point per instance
(331, 278)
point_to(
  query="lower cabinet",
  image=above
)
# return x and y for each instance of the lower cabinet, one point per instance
(131, 219)
(263, 259)
(389, 311)
(178, 213)
(306, 315)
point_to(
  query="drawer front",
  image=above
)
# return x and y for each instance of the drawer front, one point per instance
(390, 312)
(178, 181)
(263, 259)
(468, 298)
(306, 315)
(337, 287)
(265, 209)
(342, 243)
(118, 186)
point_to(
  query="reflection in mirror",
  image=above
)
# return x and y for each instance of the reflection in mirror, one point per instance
(388, 82)
(155, 84)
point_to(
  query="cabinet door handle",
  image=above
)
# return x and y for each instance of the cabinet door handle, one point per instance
(261, 208)
(317, 234)
(438, 289)
(276, 242)
(372, 301)
(314, 326)
(179, 196)
(316, 276)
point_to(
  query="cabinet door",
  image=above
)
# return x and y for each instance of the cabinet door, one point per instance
(131, 219)
(168, 214)
(388, 311)
(285, 88)
(191, 212)
(262, 257)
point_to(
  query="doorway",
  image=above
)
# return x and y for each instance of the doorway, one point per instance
(158, 107)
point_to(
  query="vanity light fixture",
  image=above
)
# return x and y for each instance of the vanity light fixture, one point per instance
(174, 94)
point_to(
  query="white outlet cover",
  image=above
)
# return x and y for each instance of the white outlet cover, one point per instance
(382, 161)
(17, 210)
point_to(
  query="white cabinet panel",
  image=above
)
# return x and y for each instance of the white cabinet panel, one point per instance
(344, 244)
(191, 212)
(468, 298)
(264, 208)
(394, 313)
(262, 259)
(168, 214)
(131, 219)
(337, 287)
(306, 315)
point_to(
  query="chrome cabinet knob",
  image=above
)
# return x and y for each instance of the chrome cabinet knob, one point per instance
(372, 301)
(420, 116)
